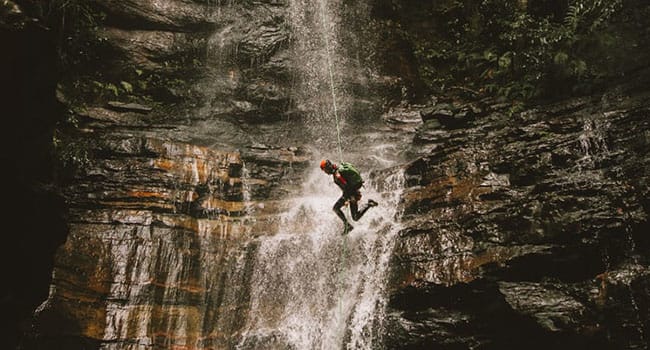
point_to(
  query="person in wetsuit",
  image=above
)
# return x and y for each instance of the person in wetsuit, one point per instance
(349, 180)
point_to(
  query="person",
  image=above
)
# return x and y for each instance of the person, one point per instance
(350, 181)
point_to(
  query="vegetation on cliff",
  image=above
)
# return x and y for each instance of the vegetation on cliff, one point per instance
(523, 50)
(95, 57)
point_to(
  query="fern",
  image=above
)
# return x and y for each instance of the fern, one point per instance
(589, 15)
(573, 16)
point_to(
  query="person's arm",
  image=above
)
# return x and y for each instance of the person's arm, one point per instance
(340, 180)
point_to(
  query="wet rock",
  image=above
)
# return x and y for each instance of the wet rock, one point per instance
(568, 107)
(543, 202)
(185, 211)
(265, 96)
(168, 15)
(472, 315)
(433, 136)
(451, 116)
(263, 41)
(552, 308)
(271, 341)
(438, 111)
(403, 119)
(103, 116)
(430, 328)
(151, 50)
(275, 165)
(626, 274)
(129, 107)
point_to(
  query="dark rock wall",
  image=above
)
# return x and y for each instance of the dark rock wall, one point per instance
(161, 226)
(523, 229)
(526, 229)
(158, 226)
(157, 239)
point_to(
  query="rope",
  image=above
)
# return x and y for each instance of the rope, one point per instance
(340, 149)
(342, 270)
(331, 75)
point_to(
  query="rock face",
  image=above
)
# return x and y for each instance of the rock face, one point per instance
(522, 229)
(160, 225)
(180, 54)
(516, 223)
(159, 233)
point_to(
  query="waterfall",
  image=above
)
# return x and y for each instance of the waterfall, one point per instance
(320, 68)
(313, 287)
(594, 148)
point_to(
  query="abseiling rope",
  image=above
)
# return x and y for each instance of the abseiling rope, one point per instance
(338, 135)
(331, 75)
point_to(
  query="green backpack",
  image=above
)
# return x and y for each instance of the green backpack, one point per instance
(351, 174)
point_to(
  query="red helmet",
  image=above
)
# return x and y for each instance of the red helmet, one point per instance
(326, 166)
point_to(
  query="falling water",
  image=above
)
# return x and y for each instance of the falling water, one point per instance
(313, 287)
(593, 145)
(593, 142)
(638, 322)
(319, 92)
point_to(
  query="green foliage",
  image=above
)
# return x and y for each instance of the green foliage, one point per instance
(127, 87)
(71, 155)
(10, 15)
(85, 90)
(500, 47)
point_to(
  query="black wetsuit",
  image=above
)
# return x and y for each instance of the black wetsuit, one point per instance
(350, 194)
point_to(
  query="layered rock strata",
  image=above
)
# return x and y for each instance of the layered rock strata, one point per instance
(526, 229)
(160, 233)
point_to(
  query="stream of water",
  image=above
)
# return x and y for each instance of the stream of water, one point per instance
(313, 287)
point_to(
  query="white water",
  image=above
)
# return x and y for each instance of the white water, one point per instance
(313, 288)
(321, 68)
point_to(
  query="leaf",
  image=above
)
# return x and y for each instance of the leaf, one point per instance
(579, 67)
(112, 88)
(560, 58)
(489, 55)
(127, 86)
(488, 73)
(505, 61)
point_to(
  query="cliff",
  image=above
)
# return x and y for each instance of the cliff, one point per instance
(526, 229)
(158, 148)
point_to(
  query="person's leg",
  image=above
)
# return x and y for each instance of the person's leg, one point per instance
(337, 209)
(354, 207)
(356, 213)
